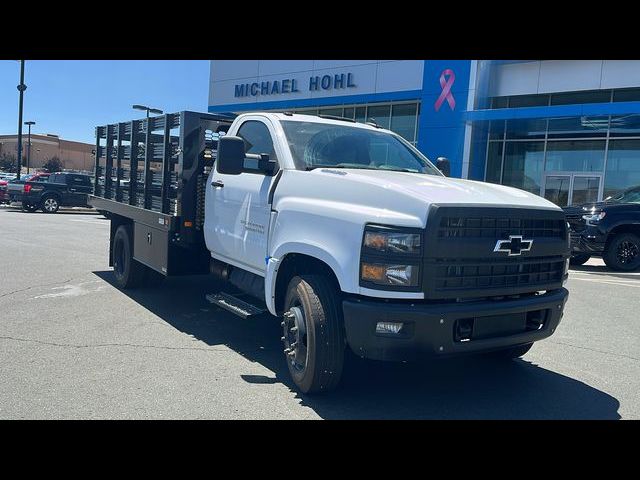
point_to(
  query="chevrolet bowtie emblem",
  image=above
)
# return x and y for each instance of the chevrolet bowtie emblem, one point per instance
(514, 246)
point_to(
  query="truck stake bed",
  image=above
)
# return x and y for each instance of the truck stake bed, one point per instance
(152, 172)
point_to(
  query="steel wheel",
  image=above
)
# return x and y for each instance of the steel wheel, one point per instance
(295, 337)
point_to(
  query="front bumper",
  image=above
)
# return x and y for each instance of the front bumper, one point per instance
(590, 241)
(430, 329)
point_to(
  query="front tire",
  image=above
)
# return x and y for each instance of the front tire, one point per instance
(50, 204)
(128, 272)
(623, 252)
(314, 333)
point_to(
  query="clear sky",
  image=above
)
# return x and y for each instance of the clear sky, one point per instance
(71, 97)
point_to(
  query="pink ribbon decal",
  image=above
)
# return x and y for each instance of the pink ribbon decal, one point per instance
(446, 84)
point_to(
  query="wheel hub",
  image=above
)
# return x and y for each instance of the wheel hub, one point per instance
(627, 252)
(295, 337)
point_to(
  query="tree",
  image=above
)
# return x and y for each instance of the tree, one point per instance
(8, 163)
(53, 165)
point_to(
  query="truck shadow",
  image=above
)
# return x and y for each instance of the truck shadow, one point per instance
(463, 388)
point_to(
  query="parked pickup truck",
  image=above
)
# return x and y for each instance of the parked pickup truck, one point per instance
(343, 231)
(63, 189)
(608, 229)
(16, 187)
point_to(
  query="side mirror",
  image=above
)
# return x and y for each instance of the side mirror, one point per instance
(444, 166)
(230, 155)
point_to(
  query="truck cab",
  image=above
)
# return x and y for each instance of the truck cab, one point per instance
(359, 245)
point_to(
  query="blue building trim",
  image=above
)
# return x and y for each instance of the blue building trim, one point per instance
(319, 102)
(556, 111)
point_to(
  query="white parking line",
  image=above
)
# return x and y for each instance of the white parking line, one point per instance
(624, 283)
(626, 274)
(90, 220)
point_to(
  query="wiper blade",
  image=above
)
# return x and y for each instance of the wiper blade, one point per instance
(313, 167)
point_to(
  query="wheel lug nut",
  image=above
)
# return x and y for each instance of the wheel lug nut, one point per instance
(282, 339)
(287, 350)
(282, 324)
(294, 344)
(293, 329)
(291, 354)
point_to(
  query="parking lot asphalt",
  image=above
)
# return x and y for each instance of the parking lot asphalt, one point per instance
(72, 346)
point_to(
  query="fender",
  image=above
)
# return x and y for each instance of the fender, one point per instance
(311, 249)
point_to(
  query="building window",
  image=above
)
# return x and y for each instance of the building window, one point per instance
(575, 127)
(499, 102)
(575, 156)
(625, 126)
(494, 162)
(523, 163)
(519, 101)
(627, 95)
(623, 166)
(336, 112)
(401, 117)
(566, 98)
(380, 113)
(573, 98)
(526, 128)
(403, 120)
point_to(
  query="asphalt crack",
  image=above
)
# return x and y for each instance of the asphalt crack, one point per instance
(595, 350)
(100, 345)
(36, 286)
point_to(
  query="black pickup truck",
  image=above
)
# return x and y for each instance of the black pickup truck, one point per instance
(64, 189)
(608, 229)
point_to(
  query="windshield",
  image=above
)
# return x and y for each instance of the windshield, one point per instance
(628, 196)
(315, 145)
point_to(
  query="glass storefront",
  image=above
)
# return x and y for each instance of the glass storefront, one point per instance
(400, 117)
(566, 160)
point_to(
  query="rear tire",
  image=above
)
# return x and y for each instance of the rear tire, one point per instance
(317, 346)
(128, 272)
(510, 353)
(579, 259)
(50, 204)
(623, 252)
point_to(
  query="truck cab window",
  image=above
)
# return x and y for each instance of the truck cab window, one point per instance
(257, 139)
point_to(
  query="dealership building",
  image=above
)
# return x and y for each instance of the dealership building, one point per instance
(568, 130)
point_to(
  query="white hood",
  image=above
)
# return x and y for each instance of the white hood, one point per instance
(443, 190)
(388, 197)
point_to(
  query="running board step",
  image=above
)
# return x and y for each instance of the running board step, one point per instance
(234, 305)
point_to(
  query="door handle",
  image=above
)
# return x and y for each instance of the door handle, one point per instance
(217, 184)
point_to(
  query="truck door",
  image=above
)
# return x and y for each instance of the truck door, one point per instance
(78, 188)
(237, 208)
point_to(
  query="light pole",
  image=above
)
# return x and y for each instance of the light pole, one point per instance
(148, 109)
(21, 88)
(29, 144)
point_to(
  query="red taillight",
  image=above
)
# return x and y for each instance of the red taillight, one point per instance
(27, 188)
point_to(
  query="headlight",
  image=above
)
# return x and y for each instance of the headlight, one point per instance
(594, 219)
(391, 258)
(392, 242)
(390, 274)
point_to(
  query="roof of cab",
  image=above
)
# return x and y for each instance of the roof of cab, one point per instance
(282, 116)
